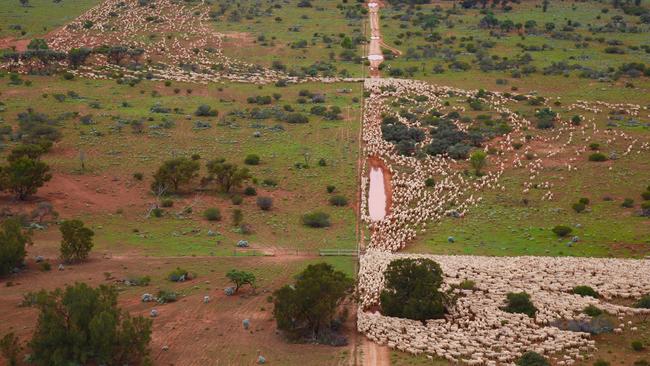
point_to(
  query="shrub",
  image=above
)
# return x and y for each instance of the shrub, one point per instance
(628, 203)
(467, 285)
(236, 199)
(82, 325)
(76, 242)
(45, 266)
(250, 191)
(269, 182)
(166, 296)
(532, 359)
(173, 173)
(579, 207)
(252, 159)
(157, 212)
(317, 219)
(138, 176)
(205, 111)
(584, 200)
(24, 176)
(637, 346)
(430, 182)
(646, 195)
(412, 290)
(585, 291)
(240, 278)
(167, 202)
(138, 280)
(212, 214)
(308, 307)
(562, 230)
(594, 146)
(10, 348)
(331, 189)
(338, 201)
(598, 157)
(601, 363)
(645, 209)
(12, 245)
(576, 120)
(237, 217)
(178, 274)
(592, 311)
(265, 203)
(644, 302)
(519, 302)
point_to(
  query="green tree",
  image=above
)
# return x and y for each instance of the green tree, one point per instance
(24, 176)
(37, 44)
(532, 359)
(12, 245)
(78, 56)
(173, 173)
(77, 241)
(519, 303)
(412, 290)
(478, 160)
(347, 43)
(10, 348)
(82, 325)
(240, 278)
(308, 307)
(226, 175)
(32, 151)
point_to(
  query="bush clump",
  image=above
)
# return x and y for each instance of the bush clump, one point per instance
(338, 201)
(212, 214)
(644, 302)
(252, 159)
(250, 191)
(532, 359)
(637, 346)
(592, 311)
(236, 199)
(598, 157)
(562, 230)
(179, 275)
(265, 203)
(585, 291)
(519, 303)
(413, 290)
(317, 219)
(579, 207)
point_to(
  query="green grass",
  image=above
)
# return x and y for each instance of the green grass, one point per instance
(114, 154)
(40, 17)
(503, 225)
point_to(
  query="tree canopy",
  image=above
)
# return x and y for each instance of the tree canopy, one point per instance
(308, 307)
(412, 289)
(12, 245)
(77, 241)
(240, 278)
(173, 173)
(83, 325)
(24, 176)
(226, 175)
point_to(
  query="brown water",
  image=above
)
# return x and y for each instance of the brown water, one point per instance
(377, 194)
